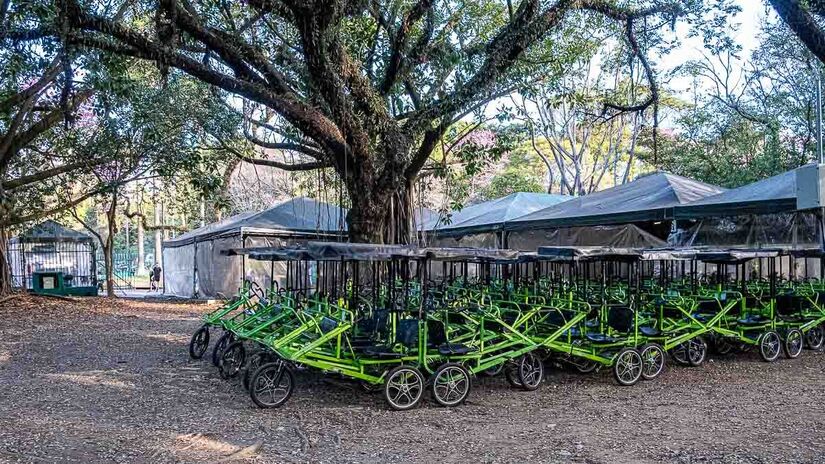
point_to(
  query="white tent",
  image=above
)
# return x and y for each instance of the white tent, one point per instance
(194, 264)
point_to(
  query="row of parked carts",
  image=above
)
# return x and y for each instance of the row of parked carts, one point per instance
(407, 321)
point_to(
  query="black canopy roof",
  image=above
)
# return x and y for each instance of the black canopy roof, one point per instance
(648, 198)
(775, 194)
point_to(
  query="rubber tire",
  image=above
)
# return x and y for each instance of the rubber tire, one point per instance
(467, 380)
(762, 345)
(220, 345)
(226, 371)
(646, 374)
(696, 362)
(255, 360)
(194, 351)
(258, 373)
(722, 347)
(511, 374)
(793, 352)
(421, 386)
(815, 343)
(535, 361)
(637, 358)
(493, 371)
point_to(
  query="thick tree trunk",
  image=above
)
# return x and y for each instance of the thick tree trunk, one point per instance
(141, 251)
(5, 269)
(109, 245)
(381, 215)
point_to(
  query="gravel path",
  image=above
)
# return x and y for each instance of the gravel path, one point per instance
(101, 380)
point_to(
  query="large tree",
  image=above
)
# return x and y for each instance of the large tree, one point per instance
(366, 87)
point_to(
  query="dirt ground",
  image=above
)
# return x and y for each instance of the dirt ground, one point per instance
(111, 381)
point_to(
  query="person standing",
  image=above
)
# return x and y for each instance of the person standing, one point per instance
(154, 277)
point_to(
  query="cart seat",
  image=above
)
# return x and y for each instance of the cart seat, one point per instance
(650, 331)
(455, 349)
(600, 338)
(573, 332)
(380, 351)
(592, 323)
(753, 319)
(702, 317)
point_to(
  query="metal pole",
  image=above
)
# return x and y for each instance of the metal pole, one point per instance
(819, 115)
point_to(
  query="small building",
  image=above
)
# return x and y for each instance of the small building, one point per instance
(49, 246)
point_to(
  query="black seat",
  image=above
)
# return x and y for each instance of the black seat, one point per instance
(753, 319)
(327, 325)
(650, 331)
(437, 337)
(620, 318)
(447, 349)
(600, 338)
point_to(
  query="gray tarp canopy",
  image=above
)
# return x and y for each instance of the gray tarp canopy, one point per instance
(775, 194)
(297, 216)
(51, 231)
(584, 253)
(470, 254)
(648, 198)
(492, 215)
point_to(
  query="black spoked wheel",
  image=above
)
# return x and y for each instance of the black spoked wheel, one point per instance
(451, 384)
(627, 367)
(199, 342)
(584, 366)
(221, 345)
(232, 360)
(530, 371)
(815, 338)
(679, 354)
(793, 343)
(493, 371)
(697, 351)
(511, 374)
(403, 388)
(770, 346)
(271, 385)
(253, 362)
(722, 346)
(653, 361)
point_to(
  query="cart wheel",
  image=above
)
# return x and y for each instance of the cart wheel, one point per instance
(793, 343)
(511, 374)
(403, 388)
(255, 361)
(451, 384)
(697, 351)
(199, 342)
(232, 359)
(627, 367)
(653, 361)
(530, 371)
(584, 366)
(271, 385)
(221, 345)
(679, 354)
(815, 338)
(722, 346)
(493, 371)
(770, 346)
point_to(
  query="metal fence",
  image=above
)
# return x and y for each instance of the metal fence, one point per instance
(72, 258)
